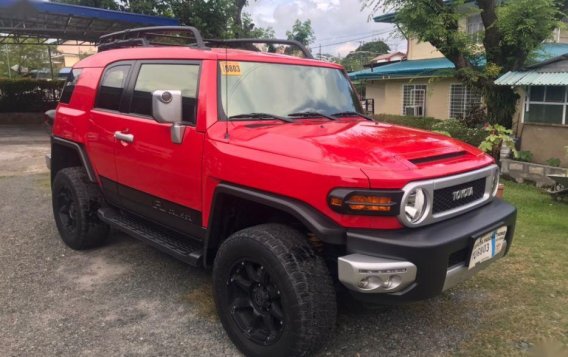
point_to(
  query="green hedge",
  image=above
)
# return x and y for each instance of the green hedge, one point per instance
(29, 95)
(425, 123)
(456, 128)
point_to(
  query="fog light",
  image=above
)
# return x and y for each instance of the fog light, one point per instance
(393, 282)
(371, 282)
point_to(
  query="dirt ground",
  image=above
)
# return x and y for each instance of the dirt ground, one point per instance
(127, 299)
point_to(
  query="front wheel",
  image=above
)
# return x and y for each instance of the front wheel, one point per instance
(274, 296)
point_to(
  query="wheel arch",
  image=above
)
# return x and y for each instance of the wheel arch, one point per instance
(228, 198)
(66, 153)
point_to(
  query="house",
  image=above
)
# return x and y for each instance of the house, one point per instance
(71, 52)
(424, 83)
(541, 119)
(387, 58)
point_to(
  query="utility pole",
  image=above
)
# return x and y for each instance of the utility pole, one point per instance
(50, 61)
(320, 52)
(8, 61)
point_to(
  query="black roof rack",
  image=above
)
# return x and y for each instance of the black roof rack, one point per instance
(152, 36)
(242, 42)
(184, 36)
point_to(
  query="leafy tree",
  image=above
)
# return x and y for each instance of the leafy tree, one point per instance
(302, 32)
(512, 31)
(378, 47)
(213, 18)
(32, 57)
(355, 60)
(101, 4)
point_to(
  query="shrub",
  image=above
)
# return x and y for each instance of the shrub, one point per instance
(458, 130)
(424, 123)
(525, 156)
(29, 95)
(553, 161)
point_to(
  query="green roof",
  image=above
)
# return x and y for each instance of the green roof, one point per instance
(533, 78)
(424, 68)
(538, 75)
(391, 17)
(441, 66)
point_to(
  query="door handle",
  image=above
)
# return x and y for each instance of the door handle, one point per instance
(128, 138)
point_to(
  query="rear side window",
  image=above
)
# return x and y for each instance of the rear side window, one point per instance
(182, 77)
(69, 86)
(112, 87)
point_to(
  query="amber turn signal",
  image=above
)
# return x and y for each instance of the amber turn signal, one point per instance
(366, 202)
(370, 203)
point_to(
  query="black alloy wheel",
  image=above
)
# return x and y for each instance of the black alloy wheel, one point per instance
(255, 302)
(274, 295)
(75, 203)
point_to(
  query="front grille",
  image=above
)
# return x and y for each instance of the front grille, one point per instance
(445, 200)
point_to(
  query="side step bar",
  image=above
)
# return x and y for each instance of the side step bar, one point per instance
(176, 245)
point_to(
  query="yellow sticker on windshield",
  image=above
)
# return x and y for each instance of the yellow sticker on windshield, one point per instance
(230, 68)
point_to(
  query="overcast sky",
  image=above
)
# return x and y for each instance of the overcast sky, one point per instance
(339, 25)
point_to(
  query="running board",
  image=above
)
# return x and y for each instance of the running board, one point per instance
(176, 245)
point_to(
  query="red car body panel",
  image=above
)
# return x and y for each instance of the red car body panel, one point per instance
(304, 160)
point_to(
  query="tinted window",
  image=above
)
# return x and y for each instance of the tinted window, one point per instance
(112, 86)
(183, 77)
(69, 86)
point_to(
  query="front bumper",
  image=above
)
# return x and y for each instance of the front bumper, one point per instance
(429, 259)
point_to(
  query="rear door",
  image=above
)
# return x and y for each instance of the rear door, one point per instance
(157, 178)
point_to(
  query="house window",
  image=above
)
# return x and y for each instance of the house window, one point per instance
(463, 100)
(414, 100)
(547, 105)
(475, 28)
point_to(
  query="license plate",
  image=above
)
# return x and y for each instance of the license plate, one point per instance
(487, 246)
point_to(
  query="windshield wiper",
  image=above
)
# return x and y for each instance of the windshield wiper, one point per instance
(261, 116)
(311, 114)
(351, 114)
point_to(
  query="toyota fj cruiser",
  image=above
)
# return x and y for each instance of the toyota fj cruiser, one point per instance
(262, 166)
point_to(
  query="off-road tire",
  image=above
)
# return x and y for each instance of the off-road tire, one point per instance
(80, 228)
(305, 288)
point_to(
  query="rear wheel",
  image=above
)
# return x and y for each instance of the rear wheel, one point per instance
(75, 203)
(274, 296)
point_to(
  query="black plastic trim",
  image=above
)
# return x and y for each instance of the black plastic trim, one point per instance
(82, 154)
(171, 215)
(325, 229)
(430, 248)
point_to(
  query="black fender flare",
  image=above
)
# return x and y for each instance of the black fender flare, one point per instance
(323, 227)
(55, 140)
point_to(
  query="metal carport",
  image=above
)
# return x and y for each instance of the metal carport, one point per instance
(41, 22)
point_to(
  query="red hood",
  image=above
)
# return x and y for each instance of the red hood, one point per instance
(373, 147)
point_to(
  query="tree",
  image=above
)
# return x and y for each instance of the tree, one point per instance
(30, 57)
(101, 4)
(355, 60)
(512, 31)
(302, 32)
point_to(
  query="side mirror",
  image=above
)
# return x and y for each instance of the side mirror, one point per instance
(166, 106)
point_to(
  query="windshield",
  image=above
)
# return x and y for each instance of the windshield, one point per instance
(280, 89)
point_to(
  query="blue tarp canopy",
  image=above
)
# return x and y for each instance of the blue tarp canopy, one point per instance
(40, 22)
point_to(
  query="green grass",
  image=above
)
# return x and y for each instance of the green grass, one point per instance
(527, 292)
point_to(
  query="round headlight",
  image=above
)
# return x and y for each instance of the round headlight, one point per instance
(415, 205)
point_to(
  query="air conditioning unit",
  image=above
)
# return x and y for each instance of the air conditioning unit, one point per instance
(414, 110)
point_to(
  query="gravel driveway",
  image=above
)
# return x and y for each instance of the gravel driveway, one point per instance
(127, 298)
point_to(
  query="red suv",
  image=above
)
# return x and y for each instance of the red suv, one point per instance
(262, 166)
